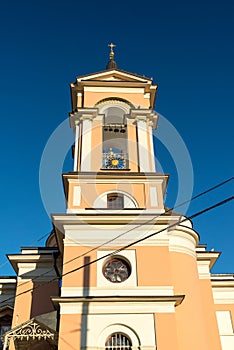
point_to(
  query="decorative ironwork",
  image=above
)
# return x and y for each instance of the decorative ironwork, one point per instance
(118, 341)
(33, 331)
(30, 331)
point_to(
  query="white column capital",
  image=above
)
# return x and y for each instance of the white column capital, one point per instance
(146, 115)
(82, 114)
(87, 117)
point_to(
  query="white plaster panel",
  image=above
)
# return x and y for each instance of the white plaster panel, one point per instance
(77, 134)
(224, 322)
(139, 328)
(227, 342)
(124, 291)
(223, 295)
(86, 145)
(203, 269)
(101, 202)
(182, 242)
(113, 89)
(4, 281)
(143, 146)
(155, 211)
(76, 308)
(42, 271)
(153, 196)
(76, 195)
(137, 307)
(114, 235)
(152, 155)
(128, 203)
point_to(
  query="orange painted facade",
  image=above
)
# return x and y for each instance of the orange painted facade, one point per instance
(115, 272)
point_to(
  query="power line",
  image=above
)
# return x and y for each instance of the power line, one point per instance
(152, 219)
(126, 246)
(39, 239)
(137, 226)
(31, 245)
(153, 234)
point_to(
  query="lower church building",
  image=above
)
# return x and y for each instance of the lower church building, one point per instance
(119, 271)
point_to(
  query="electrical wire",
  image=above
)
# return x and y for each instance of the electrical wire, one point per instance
(153, 234)
(152, 219)
(31, 245)
(137, 226)
(183, 219)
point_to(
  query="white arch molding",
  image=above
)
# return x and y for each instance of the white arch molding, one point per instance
(118, 328)
(129, 201)
(140, 328)
(103, 105)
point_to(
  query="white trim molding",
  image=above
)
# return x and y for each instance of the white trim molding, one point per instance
(124, 291)
(118, 305)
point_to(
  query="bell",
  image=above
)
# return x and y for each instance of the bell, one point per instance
(122, 130)
(110, 128)
(116, 129)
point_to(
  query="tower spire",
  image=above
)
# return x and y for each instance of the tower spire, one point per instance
(111, 64)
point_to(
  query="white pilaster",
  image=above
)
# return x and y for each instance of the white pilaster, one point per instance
(81, 122)
(143, 144)
(77, 135)
(151, 150)
(146, 121)
(86, 143)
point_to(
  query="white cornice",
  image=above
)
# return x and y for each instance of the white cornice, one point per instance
(183, 239)
(203, 269)
(115, 72)
(82, 114)
(223, 295)
(115, 89)
(121, 304)
(124, 176)
(123, 291)
(27, 260)
(105, 211)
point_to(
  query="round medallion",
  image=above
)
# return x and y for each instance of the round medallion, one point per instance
(115, 162)
(116, 270)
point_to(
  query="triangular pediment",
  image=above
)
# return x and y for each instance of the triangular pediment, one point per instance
(114, 75)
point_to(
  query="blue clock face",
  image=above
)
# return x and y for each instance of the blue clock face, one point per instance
(114, 160)
(115, 163)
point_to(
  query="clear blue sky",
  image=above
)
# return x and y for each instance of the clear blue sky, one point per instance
(186, 46)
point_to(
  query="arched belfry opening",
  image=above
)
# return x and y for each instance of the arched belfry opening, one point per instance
(115, 133)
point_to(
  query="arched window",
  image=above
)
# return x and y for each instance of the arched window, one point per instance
(118, 341)
(115, 201)
(114, 115)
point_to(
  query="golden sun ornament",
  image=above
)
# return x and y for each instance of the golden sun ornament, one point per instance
(114, 162)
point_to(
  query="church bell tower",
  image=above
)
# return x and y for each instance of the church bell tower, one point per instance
(120, 291)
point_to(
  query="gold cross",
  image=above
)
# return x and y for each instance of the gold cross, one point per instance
(111, 45)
